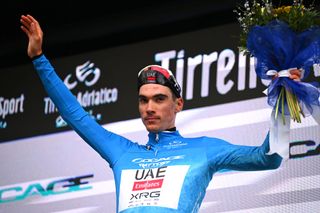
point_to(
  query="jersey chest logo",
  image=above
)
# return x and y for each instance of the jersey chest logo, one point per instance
(152, 187)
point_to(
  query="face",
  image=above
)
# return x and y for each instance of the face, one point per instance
(157, 107)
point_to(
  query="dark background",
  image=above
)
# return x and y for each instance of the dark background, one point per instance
(77, 26)
(72, 27)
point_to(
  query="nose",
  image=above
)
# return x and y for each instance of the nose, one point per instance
(150, 106)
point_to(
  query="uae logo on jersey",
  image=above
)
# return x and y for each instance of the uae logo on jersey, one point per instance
(152, 187)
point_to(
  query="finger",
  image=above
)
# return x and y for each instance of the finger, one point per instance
(25, 22)
(29, 22)
(296, 72)
(295, 77)
(275, 76)
(26, 19)
(25, 30)
(32, 19)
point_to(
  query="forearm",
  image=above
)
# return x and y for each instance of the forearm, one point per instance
(271, 153)
(252, 158)
(107, 144)
(64, 100)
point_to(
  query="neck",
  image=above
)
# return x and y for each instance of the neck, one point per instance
(171, 129)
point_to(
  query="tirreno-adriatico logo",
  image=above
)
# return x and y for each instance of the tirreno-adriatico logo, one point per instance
(86, 74)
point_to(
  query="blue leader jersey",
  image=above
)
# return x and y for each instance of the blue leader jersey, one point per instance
(168, 174)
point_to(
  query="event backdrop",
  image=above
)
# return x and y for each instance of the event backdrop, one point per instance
(46, 167)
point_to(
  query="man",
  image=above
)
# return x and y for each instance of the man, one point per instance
(168, 174)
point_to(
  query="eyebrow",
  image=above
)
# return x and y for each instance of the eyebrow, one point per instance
(154, 96)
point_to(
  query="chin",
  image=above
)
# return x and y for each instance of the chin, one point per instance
(154, 130)
(151, 128)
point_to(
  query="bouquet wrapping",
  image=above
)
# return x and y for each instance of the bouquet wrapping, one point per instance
(283, 39)
(278, 49)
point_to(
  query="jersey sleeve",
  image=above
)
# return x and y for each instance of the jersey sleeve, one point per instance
(109, 145)
(224, 155)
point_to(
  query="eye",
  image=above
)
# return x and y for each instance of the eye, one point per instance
(160, 98)
(142, 100)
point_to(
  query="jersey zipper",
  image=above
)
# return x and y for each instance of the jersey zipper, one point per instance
(154, 148)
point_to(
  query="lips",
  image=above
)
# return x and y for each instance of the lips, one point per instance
(151, 118)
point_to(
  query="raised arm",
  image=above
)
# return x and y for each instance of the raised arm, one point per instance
(109, 145)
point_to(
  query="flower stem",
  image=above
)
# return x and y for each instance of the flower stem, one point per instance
(280, 100)
(293, 106)
(292, 103)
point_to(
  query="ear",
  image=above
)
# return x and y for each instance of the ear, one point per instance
(179, 105)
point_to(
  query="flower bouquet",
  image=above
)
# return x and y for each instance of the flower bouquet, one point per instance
(282, 39)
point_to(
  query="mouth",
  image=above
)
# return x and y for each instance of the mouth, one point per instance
(151, 119)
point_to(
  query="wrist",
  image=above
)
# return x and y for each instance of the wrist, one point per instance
(36, 56)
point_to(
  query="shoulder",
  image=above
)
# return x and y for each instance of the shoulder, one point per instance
(208, 141)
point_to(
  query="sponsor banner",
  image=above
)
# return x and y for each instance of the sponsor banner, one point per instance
(206, 63)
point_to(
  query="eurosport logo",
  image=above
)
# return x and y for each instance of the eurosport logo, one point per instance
(86, 74)
(156, 162)
(10, 106)
(44, 188)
